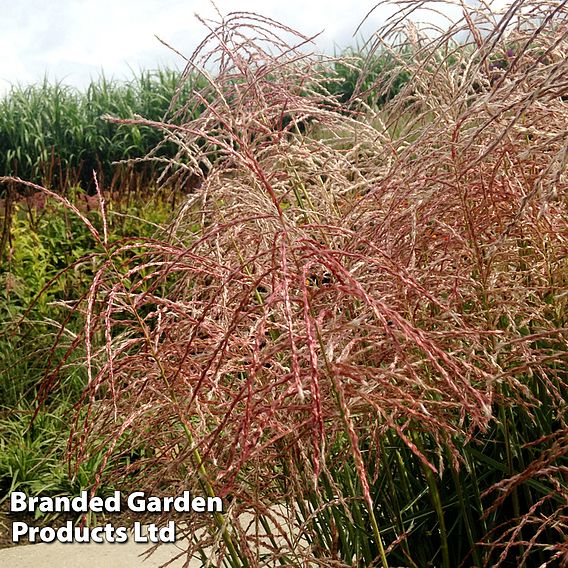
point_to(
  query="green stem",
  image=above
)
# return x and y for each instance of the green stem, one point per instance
(341, 404)
(437, 503)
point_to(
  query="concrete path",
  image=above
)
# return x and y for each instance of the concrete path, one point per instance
(58, 555)
(90, 555)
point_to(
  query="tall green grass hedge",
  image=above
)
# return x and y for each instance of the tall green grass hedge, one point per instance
(57, 135)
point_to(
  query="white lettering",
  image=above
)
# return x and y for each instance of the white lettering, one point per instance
(198, 504)
(136, 502)
(181, 504)
(18, 529)
(138, 536)
(112, 504)
(79, 504)
(47, 534)
(96, 505)
(121, 535)
(18, 502)
(154, 505)
(214, 505)
(153, 533)
(95, 535)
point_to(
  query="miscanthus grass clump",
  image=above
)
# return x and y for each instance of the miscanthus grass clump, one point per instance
(355, 329)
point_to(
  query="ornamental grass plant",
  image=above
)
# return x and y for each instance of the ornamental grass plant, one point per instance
(354, 330)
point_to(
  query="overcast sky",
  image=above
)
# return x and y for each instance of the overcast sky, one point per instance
(73, 40)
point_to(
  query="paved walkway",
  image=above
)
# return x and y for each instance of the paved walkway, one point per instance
(90, 555)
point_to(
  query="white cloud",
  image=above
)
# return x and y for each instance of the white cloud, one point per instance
(74, 39)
